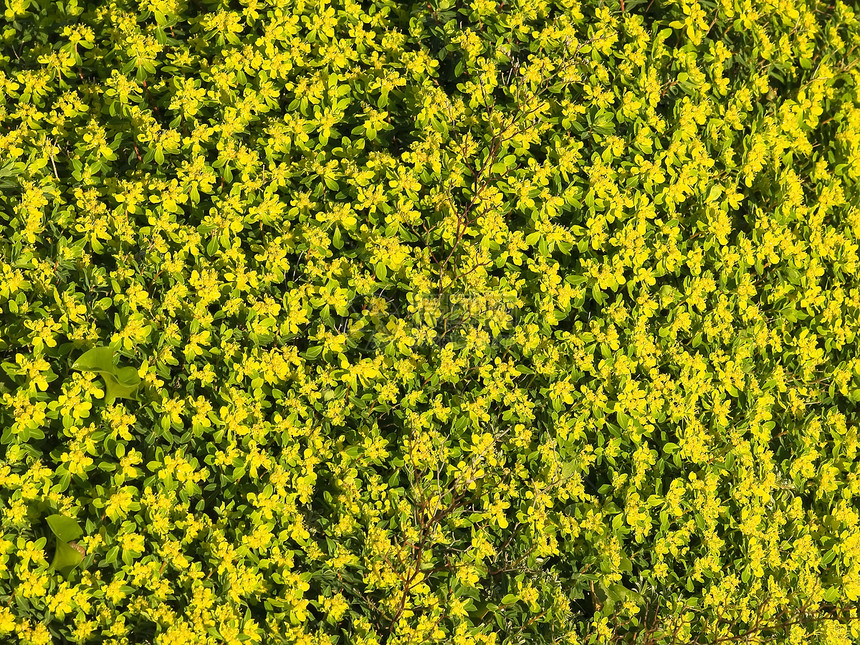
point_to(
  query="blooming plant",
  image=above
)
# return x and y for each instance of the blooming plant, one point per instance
(471, 322)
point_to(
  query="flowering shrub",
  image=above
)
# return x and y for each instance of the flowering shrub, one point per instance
(441, 322)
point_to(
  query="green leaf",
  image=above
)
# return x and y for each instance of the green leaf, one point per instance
(65, 528)
(116, 390)
(353, 451)
(313, 352)
(127, 376)
(66, 558)
(98, 359)
(120, 382)
(10, 169)
(111, 556)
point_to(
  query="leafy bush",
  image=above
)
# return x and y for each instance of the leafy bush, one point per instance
(436, 322)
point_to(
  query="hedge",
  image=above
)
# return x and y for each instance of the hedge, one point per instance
(382, 322)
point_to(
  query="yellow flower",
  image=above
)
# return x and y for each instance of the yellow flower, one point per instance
(62, 602)
(121, 503)
(33, 585)
(7, 620)
(335, 607)
(114, 592)
(132, 542)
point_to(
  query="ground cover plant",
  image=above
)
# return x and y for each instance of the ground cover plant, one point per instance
(474, 323)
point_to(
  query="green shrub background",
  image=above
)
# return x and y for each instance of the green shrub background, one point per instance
(464, 323)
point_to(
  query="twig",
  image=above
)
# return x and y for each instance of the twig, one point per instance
(51, 148)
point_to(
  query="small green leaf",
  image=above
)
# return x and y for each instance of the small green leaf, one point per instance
(112, 555)
(313, 352)
(353, 451)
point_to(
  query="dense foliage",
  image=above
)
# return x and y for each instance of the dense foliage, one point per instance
(436, 322)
